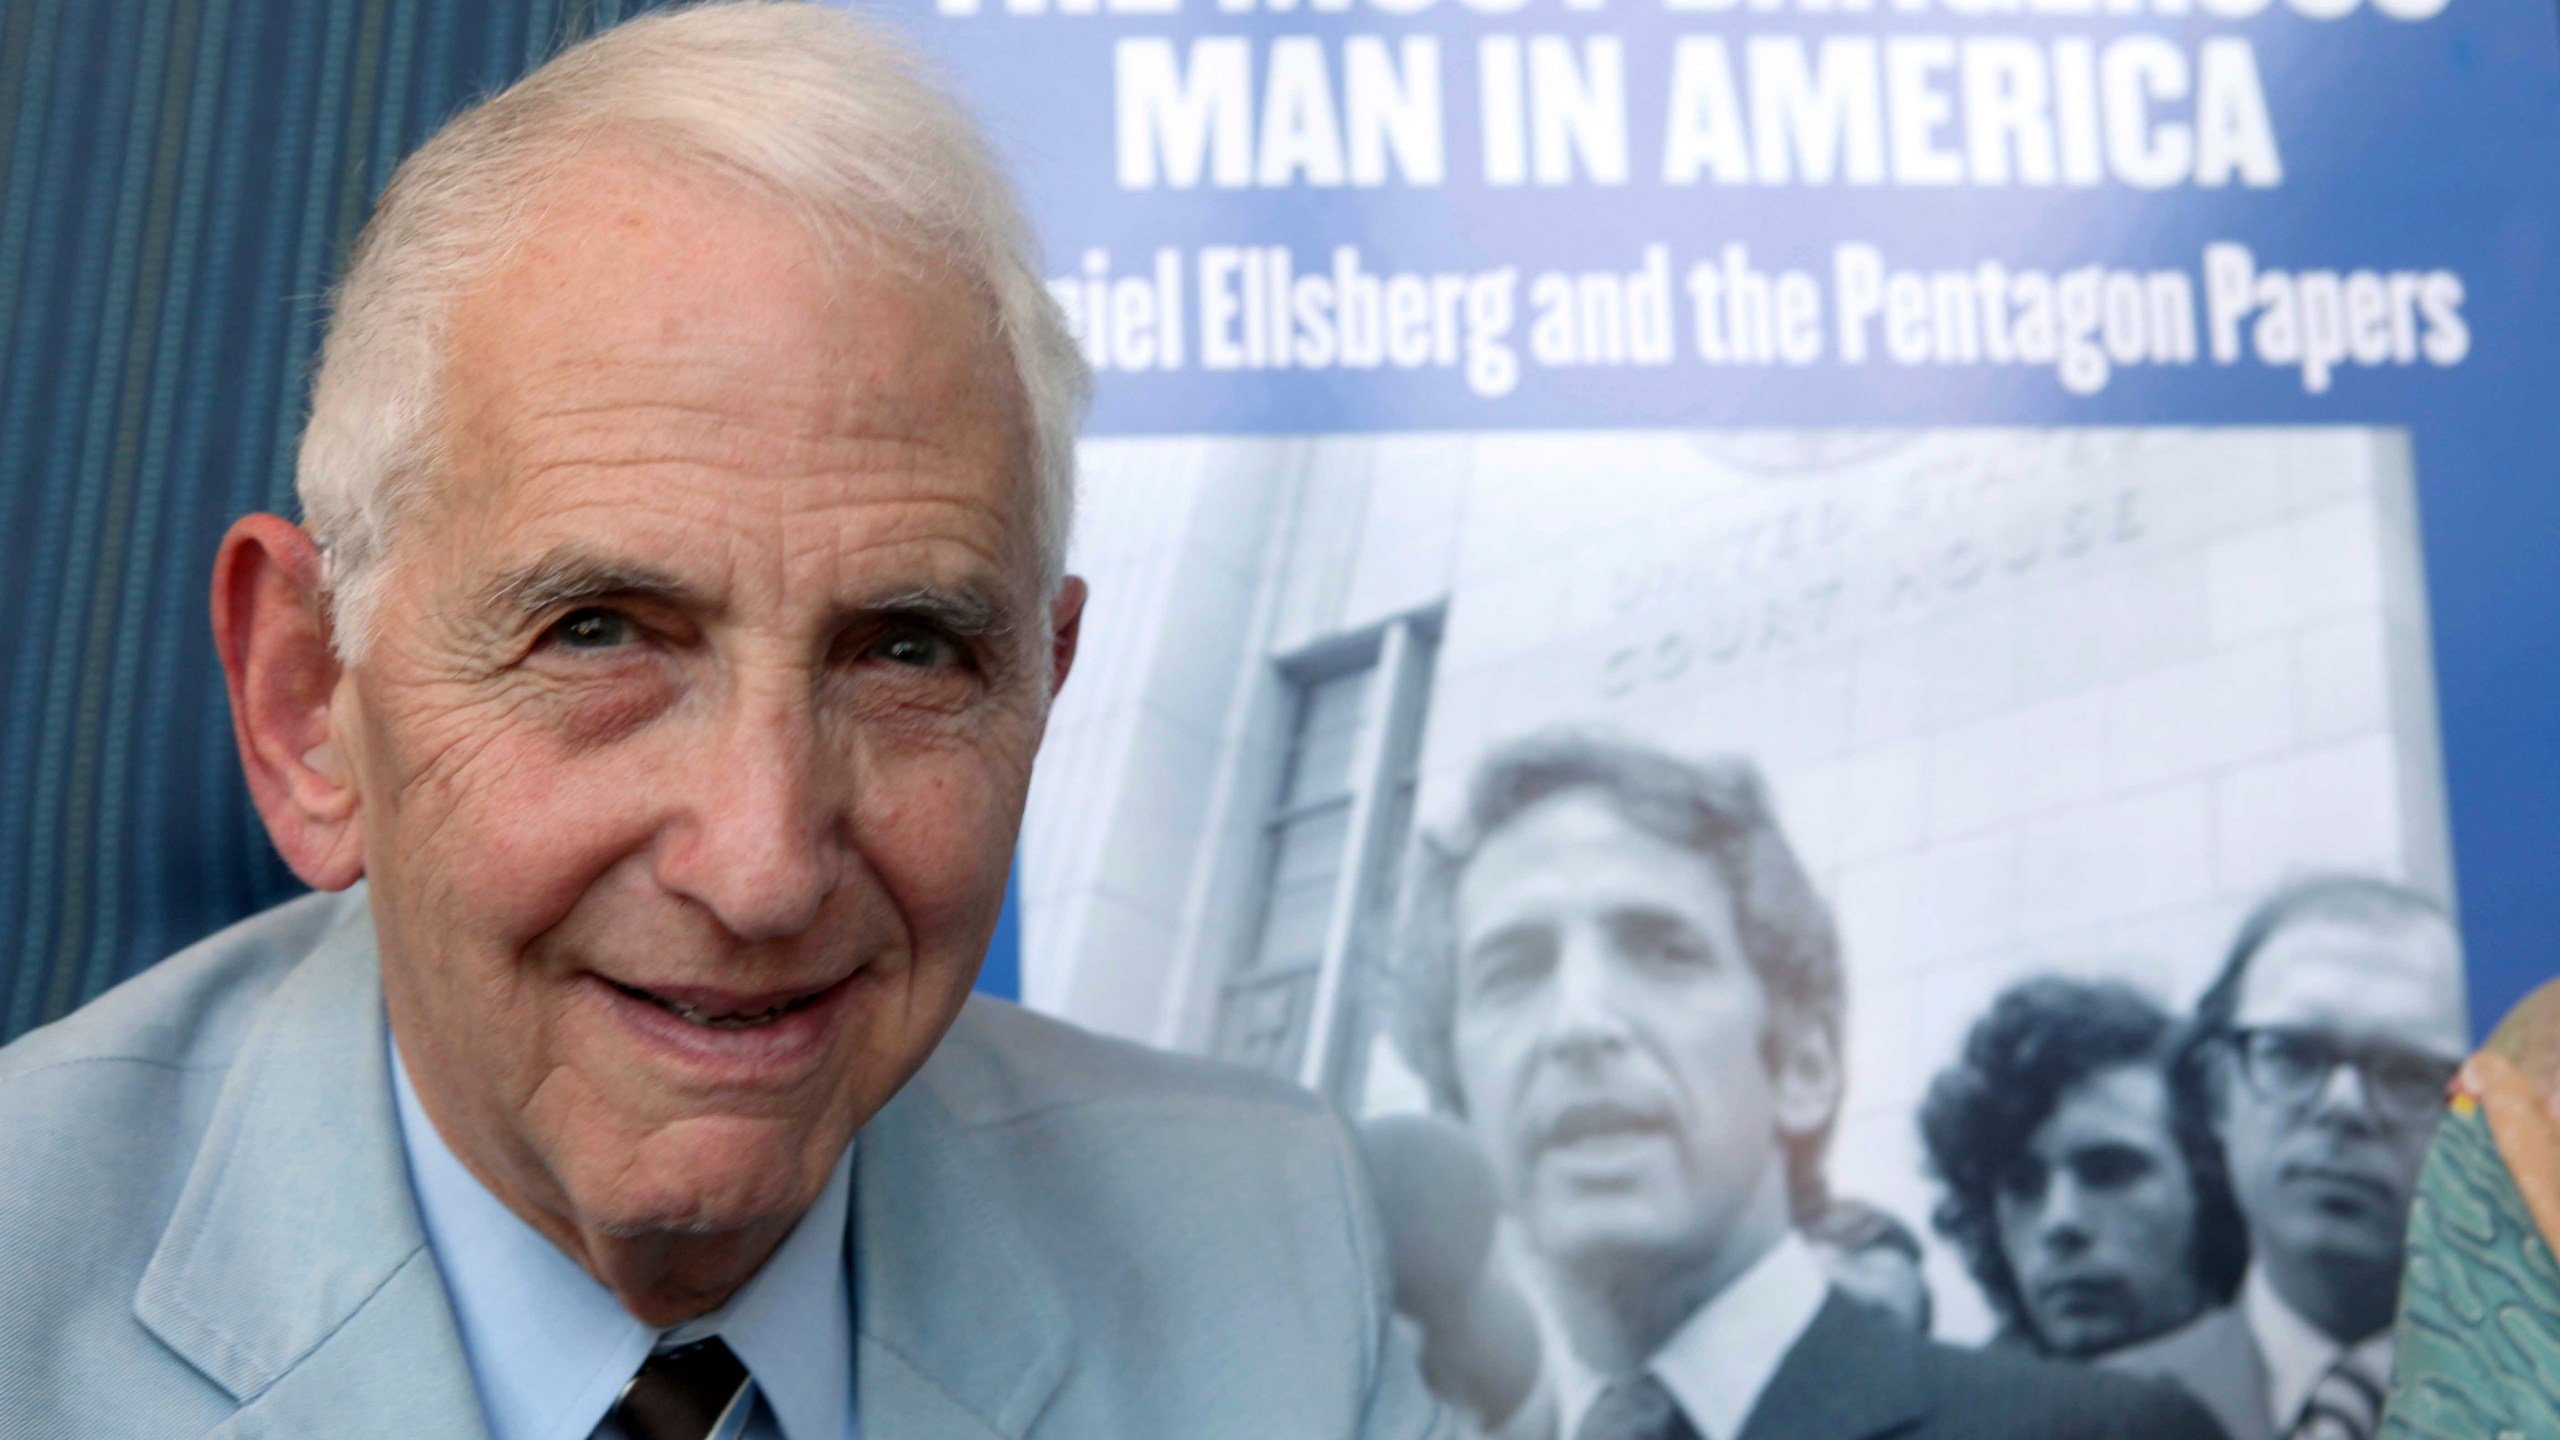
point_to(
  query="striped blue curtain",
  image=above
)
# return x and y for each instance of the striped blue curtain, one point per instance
(178, 182)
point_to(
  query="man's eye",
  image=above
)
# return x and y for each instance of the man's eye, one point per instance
(2020, 1180)
(2294, 1056)
(1661, 941)
(916, 649)
(593, 629)
(2111, 1167)
(1679, 950)
(1507, 968)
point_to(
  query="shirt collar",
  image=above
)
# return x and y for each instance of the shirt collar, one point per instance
(792, 1322)
(551, 1349)
(1725, 1354)
(1722, 1357)
(2298, 1352)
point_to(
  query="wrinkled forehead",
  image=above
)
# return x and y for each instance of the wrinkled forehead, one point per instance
(2393, 978)
(1574, 857)
(654, 316)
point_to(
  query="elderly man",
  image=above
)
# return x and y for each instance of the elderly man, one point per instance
(2090, 1205)
(2322, 1051)
(1625, 985)
(654, 692)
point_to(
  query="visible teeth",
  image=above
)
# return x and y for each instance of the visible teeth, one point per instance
(743, 1021)
(696, 1015)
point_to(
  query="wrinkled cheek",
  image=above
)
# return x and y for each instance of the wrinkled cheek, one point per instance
(487, 858)
(1715, 1166)
(529, 836)
(1488, 1083)
(939, 831)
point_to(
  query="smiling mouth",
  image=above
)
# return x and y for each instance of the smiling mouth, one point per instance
(721, 1020)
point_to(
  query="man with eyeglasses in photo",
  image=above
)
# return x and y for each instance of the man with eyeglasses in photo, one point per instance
(2321, 1052)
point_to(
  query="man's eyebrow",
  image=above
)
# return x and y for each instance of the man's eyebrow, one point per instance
(567, 579)
(1651, 920)
(967, 612)
(1510, 932)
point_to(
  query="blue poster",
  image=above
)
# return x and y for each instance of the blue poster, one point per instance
(2046, 496)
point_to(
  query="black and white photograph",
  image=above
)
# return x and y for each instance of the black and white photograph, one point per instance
(1969, 908)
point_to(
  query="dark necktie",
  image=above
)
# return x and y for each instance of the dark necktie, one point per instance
(682, 1394)
(2345, 1405)
(1636, 1408)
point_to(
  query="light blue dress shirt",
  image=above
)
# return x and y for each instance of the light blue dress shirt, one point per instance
(551, 1349)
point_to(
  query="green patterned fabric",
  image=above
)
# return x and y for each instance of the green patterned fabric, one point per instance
(178, 181)
(2479, 1338)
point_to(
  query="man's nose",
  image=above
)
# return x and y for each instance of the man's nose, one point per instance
(758, 840)
(2065, 1227)
(1587, 1016)
(2343, 1099)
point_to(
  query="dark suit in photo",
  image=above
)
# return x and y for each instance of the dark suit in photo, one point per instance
(1857, 1375)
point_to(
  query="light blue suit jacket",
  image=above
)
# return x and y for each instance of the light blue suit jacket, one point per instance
(207, 1229)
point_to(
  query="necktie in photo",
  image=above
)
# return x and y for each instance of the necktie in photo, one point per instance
(2345, 1405)
(1636, 1408)
(693, 1392)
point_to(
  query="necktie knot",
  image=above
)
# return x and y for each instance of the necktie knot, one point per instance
(688, 1393)
(1638, 1407)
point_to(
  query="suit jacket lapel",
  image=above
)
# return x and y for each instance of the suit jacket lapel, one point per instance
(294, 1272)
(962, 1330)
(2238, 1384)
(1851, 1376)
(2220, 1362)
(2216, 1359)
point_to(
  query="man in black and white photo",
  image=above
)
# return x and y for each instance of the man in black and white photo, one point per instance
(2322, 1049)
(1625, 984)
(2090, 1205)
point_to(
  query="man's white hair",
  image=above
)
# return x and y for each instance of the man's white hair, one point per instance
(819, 110)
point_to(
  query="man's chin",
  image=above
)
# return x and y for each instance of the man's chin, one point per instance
(1603, 1235)
(2354, 1216)
(2086, 1338)
(2363, 1238)
(707, 1178)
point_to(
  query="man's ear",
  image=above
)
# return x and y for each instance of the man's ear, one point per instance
(1805, 1075)
(1066, 619)
(270, 623)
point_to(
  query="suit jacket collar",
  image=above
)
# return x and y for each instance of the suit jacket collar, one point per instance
(1724, 1355)
(2216, 1358)
(963, 1330)
(1808, 1400)
(293, 1271)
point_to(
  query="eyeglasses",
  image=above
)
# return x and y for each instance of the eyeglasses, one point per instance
(2290, 1066)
